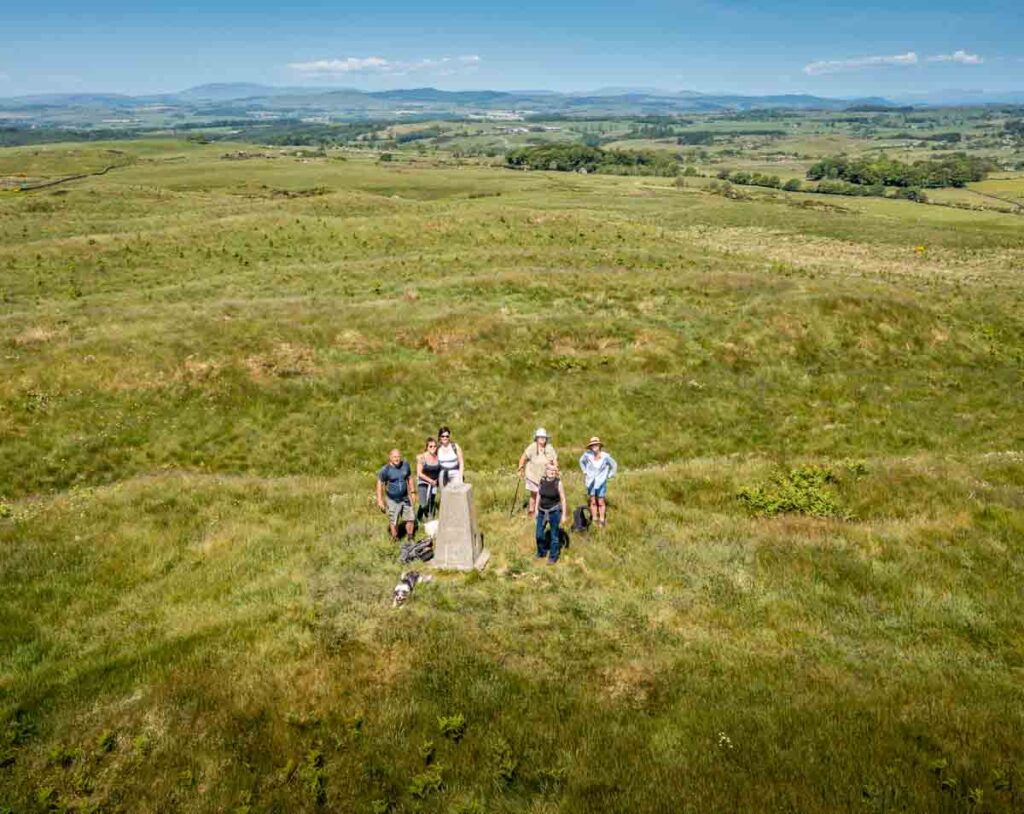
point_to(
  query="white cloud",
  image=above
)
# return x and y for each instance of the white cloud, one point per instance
(380, 65)
(839, 65)
(347, 65)
(958, 56)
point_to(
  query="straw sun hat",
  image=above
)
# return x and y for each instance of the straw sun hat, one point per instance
(594, 441)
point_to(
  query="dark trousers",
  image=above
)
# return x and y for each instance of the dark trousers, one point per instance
(428, 500)
(549, 542)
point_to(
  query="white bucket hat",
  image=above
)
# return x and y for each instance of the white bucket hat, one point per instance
(540, 433)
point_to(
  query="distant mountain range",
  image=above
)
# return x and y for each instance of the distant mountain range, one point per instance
(486, 99)
(248, 99)
(959, 96)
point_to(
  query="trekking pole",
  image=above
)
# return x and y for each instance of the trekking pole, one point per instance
(515, 499)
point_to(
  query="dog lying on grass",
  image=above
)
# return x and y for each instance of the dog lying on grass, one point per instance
(406, 583)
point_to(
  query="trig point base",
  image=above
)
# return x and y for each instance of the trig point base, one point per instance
(458, 545)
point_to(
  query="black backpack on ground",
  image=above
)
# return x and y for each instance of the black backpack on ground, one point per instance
(420, 550)
(581, 518)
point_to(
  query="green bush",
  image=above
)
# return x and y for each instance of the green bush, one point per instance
(805, 490)
(911, 194)
(452, 727)
(426, 783)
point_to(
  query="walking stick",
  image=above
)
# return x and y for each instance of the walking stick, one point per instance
(515, 499)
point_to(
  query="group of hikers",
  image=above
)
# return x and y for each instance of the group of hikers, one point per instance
(441, 464)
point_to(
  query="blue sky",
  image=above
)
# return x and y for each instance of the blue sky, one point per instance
(838, 48)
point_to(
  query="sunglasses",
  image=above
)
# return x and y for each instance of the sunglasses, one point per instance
(445, 436)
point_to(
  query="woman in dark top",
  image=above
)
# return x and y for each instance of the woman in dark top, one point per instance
(428, 471)
(551, 508)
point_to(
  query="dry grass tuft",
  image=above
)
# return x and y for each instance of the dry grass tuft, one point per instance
(355, 341)
(631, 682)
(38, 335)
(285, 361)
(197, 371)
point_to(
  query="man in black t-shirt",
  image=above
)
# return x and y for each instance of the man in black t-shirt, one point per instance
(394, 484)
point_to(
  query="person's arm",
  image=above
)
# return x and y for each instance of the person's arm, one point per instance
(583, 463)
(380, 494)
(565, 503)
(419, 471)
(411, 487)
(613, 467)
(462, 461)
(522, 461)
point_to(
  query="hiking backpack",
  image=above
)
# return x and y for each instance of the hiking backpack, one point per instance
(420, 550)
(581, 518)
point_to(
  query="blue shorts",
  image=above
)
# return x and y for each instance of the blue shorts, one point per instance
(598, 491)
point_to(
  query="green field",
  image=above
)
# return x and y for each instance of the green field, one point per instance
(204, 362)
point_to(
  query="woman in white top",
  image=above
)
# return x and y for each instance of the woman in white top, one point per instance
(449, 455)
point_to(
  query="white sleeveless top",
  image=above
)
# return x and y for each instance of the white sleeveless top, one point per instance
(448, 456)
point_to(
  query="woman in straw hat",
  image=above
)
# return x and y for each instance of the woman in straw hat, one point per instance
(551, 508)
(598, 468)
(532, 463)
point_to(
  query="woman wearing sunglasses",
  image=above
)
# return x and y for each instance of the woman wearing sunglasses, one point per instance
(449, 455)
(428, 473)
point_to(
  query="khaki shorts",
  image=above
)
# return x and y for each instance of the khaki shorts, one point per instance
(400, 510)
(532, 486)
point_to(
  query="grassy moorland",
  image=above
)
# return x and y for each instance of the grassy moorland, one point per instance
(203, 361)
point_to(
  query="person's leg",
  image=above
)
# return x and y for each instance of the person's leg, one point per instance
(593, 506)
(423, 492)
(599, 493)
(555, 519)
(409, 515)
(542, 548)
(393, 512)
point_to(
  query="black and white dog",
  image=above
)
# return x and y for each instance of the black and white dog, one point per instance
(406, 583)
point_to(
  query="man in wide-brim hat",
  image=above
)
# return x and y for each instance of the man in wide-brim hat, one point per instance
(598, 468)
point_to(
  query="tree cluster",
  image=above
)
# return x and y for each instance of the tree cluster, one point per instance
(824, 186)
(952, 170)
(946, 138)
(584, 158)
(755, 179)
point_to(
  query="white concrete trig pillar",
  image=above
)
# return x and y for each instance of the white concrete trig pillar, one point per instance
(459, 545)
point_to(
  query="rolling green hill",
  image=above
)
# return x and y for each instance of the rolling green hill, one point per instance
(808, 596)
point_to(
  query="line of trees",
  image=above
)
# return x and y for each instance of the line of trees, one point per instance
(946, 138)
(585, 158)
(823, 187)
(952, 170)
(758, 179)
(22, 136)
